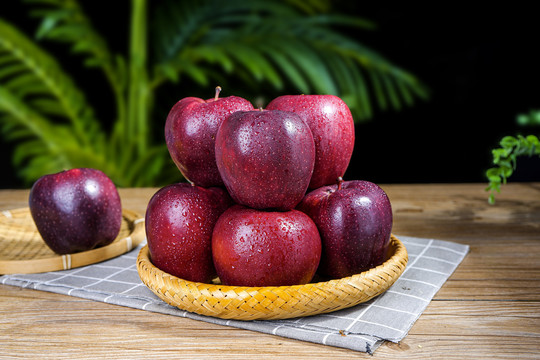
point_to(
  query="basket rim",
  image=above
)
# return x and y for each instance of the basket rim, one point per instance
(215, 300)
(400, 252)
(58, 262)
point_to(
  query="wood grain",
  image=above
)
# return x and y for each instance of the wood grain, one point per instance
(488, 309)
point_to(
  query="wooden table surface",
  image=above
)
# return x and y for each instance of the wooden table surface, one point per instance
(489, 308)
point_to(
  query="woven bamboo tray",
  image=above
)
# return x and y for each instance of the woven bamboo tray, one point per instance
(23, 251)
(281, 302)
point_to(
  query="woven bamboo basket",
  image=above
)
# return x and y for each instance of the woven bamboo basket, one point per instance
(23, 251)
(273, 302)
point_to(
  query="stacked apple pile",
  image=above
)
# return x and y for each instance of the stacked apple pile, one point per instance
(266, 204)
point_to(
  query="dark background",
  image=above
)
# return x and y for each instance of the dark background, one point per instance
(480, 65)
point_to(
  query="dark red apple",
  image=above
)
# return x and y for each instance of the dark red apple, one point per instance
(265, 248)
(332, 125)
(76, 210)
(180, 219)
(265, 158)
(190, 132)
(355, 222)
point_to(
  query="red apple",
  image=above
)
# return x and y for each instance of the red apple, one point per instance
(190, 132)
(76, 210)
(265, 158)
(264, 248)
(180, 219)
(332, 125)
(354, 219)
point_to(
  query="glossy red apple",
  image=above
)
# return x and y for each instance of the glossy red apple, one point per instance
(332, 125)
(265, 158)
(76, 210)
(190, 132)
(355, 221)
(265, 248)
(180, 219)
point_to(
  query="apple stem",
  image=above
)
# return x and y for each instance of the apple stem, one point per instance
(218, 90)
(339, 182)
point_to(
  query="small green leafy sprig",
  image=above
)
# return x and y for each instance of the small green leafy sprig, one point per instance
(530, 119)
(505, 159)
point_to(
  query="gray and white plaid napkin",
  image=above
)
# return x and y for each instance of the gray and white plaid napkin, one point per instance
(363, 327)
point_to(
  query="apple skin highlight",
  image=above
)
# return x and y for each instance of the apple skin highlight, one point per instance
(265, 248)
(190, 132)
(76, 210)
(179, 222)
(332, 126)
(355, 222)
(265, 158)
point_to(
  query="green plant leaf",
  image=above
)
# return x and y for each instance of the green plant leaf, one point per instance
(43, 75)
(269, 42)
(65, 21)
(505, 159)
(530, 119)
(262, 43)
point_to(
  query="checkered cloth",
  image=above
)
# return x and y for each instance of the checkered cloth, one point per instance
(363, 327)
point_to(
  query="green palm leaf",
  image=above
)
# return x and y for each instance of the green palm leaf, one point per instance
(282, 44)
(41, 104)
(65, 21)
(37, 79)
(42, 147)
(267, 39)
